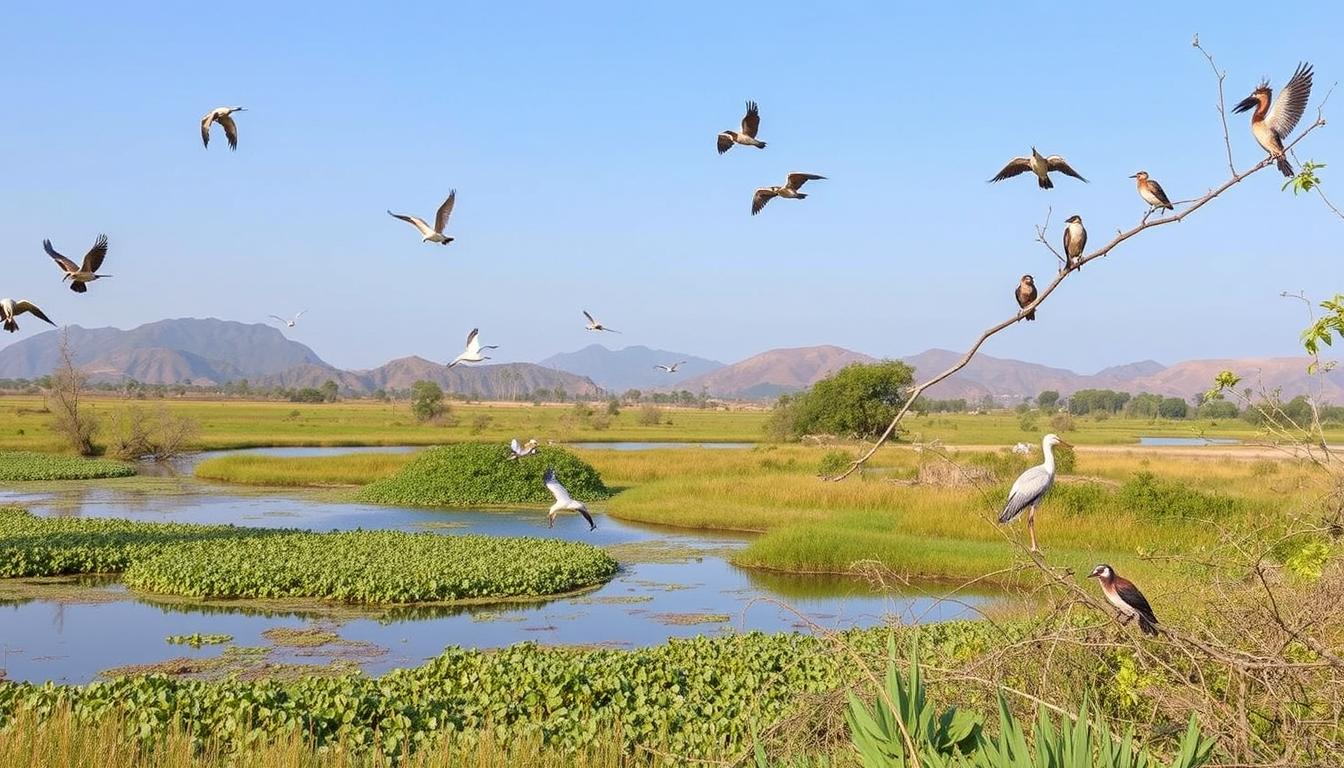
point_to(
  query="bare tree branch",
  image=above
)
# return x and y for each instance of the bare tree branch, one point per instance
(1222, 110)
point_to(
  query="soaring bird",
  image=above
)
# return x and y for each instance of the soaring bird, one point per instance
(751, 123)
(9, 309)
(1030, 487)
(669, 368)
(472, 354)
(792, 184)
(434, 235)
(1039, 165)
(563, 501)
(288, 323)
(79, 274)
(593, 325)
(221, 115)
(1270, 125)
(1152, 192)
(1127, 599)
(1026, 293)
(517, 451)
(1075, 240)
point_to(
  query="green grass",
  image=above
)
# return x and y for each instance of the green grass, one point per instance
(312, 471)
(28, 465)
(467, 474)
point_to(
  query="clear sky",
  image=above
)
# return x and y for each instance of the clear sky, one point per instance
(580, 138)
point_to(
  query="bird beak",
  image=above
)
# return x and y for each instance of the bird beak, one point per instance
(1248, 103)
(1133, 175)
(1066, 445)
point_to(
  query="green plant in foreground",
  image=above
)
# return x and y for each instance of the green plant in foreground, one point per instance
(196, 639)
(24, 465)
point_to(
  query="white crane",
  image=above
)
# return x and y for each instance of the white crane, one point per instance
(289, 323)
(519, 451)
(563, 501)
(223, 116)
(670, 368)
(593, 325)
(10, 308)
(79, 274)
(472, 354)
(434, 235)
(1031, 486)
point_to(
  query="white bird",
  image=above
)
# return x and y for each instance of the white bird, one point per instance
(563, 501)
(789, 188)
(10, 308)
(221, 115)
(751, 123)
(288, 323)
(79, 274)
(1031, 486)
(435, 235)
(593, 325)
(472, 354)
(519, 451)
(670, 368)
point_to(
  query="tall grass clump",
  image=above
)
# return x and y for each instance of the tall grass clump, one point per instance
(481, 473)
(288, 471)
(1147, 495)
(24, 465)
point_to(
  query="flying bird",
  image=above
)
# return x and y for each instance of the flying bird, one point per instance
(1075, 240)
(517, 451)
(751, 123)
(1270, 125)
(1026, 293)
(223, 116)
(435, 235)
(1152, 192)
(1039, 165)
(288, 323)
(593, 325)
(563, 501)
(1126, 598)
(472, 354)
(79, 274)
(1030, 487)
(792, 184)
(670, 368)
(9, 309)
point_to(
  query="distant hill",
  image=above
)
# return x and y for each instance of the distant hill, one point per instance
(631, 367)
(502, 381)
(772, 373)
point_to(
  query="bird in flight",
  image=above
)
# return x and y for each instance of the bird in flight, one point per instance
(1039, 165)
(223, 116)
(1026, 293)
(9, 309)
(593, 325)
(472, 354)
(289, 323)
(792, 184)
(435, 235)
(669, 368)
(1030, 487)
(1125, 598)
(517, 451)
(1152, 193)
(751, 123)
(79, 274)
(563, 501)
(1075, 240)
(1271, 124)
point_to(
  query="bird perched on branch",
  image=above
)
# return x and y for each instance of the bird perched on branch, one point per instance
(669, 368)
(789, 188)
(593, 325)
(472, 354)
(435, 234)
(1075, 240)
(1031, 486)
(1270, 125)
(1127, 599)
(563, 501)
(223, 116)
(1039, 165)
(79, 274)
(1152, 192)
(1026, 293)
(751, 123)
(9, 309)
(517, 451)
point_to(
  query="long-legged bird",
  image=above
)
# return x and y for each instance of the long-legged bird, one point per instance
(1126, 598)
(79, 274)
(434, 234)
(751, 123)
(9, 309)
(1039, 165)
(792, 183)
(472, 354)
(563, 501)
(1030, 487)
(1271, 124)
(223, 116)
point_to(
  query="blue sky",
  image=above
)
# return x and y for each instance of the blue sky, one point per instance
(580, 138)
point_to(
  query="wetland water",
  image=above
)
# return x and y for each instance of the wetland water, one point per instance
(673, 583)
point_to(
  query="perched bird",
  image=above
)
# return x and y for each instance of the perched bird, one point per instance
(669, 368)
(1030, 487)
(1270, 125)
(1152, 192)
(1075, 240)
(563, 501)
(792, 184)
(79, 274)
(1026, 293)
(751, 123)
(9, 309)
(472, 354)
(517, 451)
(288, 323)
(593, 325)
(1127, 599)
(434, 235)
(221, 115)
(1039, 165)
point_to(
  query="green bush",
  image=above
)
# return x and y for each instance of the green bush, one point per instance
(480, 473)
(23, 465)
(833, 463)
(1148, 496)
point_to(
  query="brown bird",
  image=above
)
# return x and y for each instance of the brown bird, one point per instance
(1026, 293)
(792, 184)
(1270, 125)
(9, 309)
(1126, 598)
(221, 115)
(79, 274)
(1039, 165)
(1152, 193)
(751, 123)
(1075, 239)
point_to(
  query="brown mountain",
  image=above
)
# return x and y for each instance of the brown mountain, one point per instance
(507, 380)
(772, 373)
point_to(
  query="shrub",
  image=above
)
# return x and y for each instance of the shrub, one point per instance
(479, 473)
(859, 400)
(480, 422)
(833, 463)
(650, 416)
(23, 465)
(1061, 422)
(1148, 496)
(159, 435)
(427, 400)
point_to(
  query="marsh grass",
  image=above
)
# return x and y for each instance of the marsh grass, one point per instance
(351, 469)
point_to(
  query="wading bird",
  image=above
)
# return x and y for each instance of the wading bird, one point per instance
(1039, 165)
(288, 323)
(1152, 192)
(563, 501)
(751, 123)
(221, 115)
(669, 368)
(79, 274)
(1026, 293)
(517, 451)
(1270, 125)
(434, 235)
(9, 309)
(1030, 487)
(1127, 599)
(593, 325)
(1075, 240)
(472, 354)
(792, 184)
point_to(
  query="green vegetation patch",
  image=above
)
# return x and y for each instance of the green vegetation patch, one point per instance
(373, 567)
(480, 473)
(25, 465)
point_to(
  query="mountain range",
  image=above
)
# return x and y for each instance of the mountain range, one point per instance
(632, 367)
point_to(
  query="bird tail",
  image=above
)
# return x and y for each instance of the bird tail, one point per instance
(1045, 182)
(78, 287)
(11, 326)
(800, 195)
(1009, 513)
(1148, 626)
(760, 145)
(1031, 315)
(1284, 167)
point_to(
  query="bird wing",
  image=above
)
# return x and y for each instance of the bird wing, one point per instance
(515, 447)
(557, 490)
(205, 127)
(300, 314)
(1291, 103)
(1070, 245)
(1134, 598)
(94, 258)
(445, 210)
(23, 305)
(583, 510)
(278, 318)
(751, 122)
(760, 198)
(1015, 166)
(230, 130)
(1057, 163)
(1158, 192)
(795, 180)
(66, 264)
(1028, 489)
(473, 343)
(414, 221)
(725, 142)
(591, 321)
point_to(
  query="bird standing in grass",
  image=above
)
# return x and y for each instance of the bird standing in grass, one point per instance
(1270, 125)
(1026, 293)
(563, 501)
(10, 308)
(1152, 192)
(1031, 486)
(751, 123)
(1039, 165)
(223, 116)
(792, 183)
(1126, 598)
(517, 451)
(472, 354)
(1075, 240)
(79, 274)
(434, 234)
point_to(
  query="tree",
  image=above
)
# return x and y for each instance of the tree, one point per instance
(426, 400)
(856, 401)
(329, 391)
(69, 420)
(1048, 400)
(1173, 408)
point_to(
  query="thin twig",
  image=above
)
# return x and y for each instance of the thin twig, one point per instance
(1222, 109)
